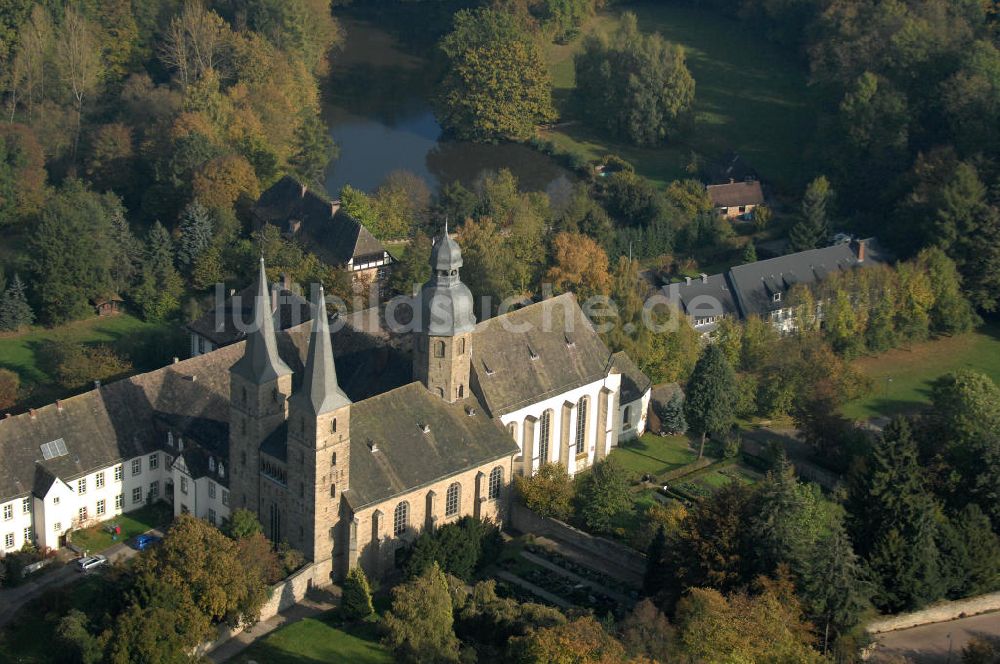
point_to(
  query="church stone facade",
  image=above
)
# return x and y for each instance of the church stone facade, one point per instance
(344, 449)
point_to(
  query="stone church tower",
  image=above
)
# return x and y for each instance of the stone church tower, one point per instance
(443, 344)
(260, 383)
(319, 431)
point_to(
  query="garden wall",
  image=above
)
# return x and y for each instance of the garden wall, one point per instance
(610, 557)
(942, 612)
(284, 594)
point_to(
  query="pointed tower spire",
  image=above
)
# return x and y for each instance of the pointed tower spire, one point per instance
(320, 393)
(260, 362)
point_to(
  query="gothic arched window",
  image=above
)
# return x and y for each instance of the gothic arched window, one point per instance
(461, 346)
(400, 518)
(496, 482)
(581, 425)
(452, 499)
(544, 434)
(333, 426)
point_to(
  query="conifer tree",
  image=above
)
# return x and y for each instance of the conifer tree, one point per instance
(160, 287)
(894, 522)
(15, 312)
(672, 414)
(195, 233)
(652, 582)
(356, 599)
(711, 395)
(750, 253)
(813, 228)
(834, 586)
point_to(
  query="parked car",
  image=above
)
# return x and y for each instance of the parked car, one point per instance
(143, 542)
(91, 563)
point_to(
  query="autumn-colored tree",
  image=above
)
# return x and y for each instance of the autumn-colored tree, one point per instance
(194, 43)
(22, 173)
(646, 632)
(197, 555)
(548, 492)
(223, 182)
(108, 163)
(580, 641)
(78, 62)
(579, 265)
(10, 384)
(75, 365)
(764, 626)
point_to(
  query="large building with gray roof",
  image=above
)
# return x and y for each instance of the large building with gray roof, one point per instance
(344, 446)
(761, 288)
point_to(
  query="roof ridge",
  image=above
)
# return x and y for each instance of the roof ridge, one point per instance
(567, 295)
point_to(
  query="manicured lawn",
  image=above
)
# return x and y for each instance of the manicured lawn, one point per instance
(653, 455)
(22, 353)
(750, 97)
(314, 640)
(901, 378)
(97, 539)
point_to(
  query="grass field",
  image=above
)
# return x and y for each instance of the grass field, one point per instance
(22, 353)
(133, 523)
(902, 377)
(315, 640)
(31, 637)
(653, 455)
(750, 97)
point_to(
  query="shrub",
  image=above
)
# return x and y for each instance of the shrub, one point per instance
(356, 600)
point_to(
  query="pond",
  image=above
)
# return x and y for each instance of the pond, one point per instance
(378, 111)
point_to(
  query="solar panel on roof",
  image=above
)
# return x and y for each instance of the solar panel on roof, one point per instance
(53, 449)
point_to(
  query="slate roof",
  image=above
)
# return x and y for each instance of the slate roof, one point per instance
(734, 194)
(406, 458)
(324, 229)
(536, 352)
(634, 381)
(129, 417)
(756, 283)
(712, 296)
(261, 363)
(219, 325)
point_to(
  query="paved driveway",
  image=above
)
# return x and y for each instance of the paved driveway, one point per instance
(930, 644)
(12, 599)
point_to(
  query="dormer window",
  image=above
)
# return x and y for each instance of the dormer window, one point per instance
(777, 297)
(489, 371)
(569, 342)
(532, 354)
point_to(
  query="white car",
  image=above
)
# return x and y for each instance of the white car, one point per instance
(91, 562)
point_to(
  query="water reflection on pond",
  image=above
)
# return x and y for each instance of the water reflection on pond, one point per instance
(378, 114)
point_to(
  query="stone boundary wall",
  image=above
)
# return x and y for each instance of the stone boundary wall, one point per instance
(525, 521)
(283, 595)
(942, 612)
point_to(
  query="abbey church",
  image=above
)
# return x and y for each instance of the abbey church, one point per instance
(344, 450)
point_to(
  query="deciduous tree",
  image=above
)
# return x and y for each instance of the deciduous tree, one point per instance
(497, 84)
(548, 492)
(419, 626)
(604, 494)
(578, 265)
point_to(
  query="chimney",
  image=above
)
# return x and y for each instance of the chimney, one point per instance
(232, 292)
(687, 280)
(97, 384)
(176, 360)
(59, 406)
(7, 416)
(274, 297)
(286, 281)
(704, 278)
(31, 413)
(732, 180)
(334, 207)
(860, 250)
(304, 190)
